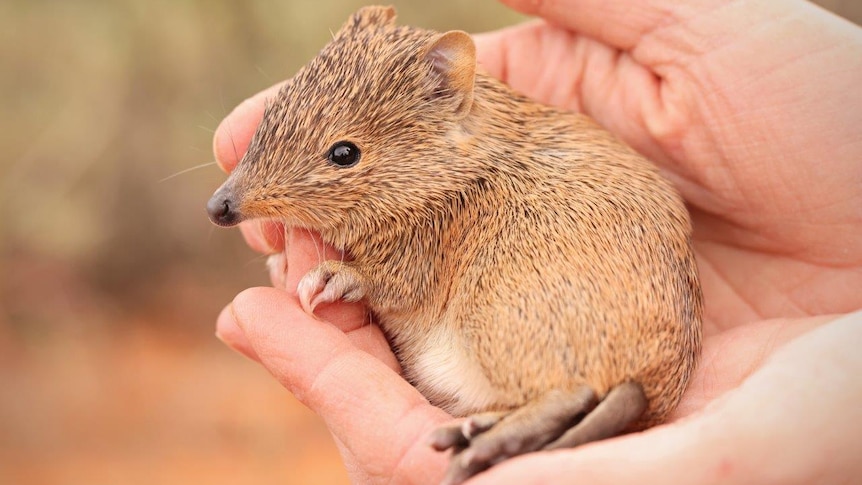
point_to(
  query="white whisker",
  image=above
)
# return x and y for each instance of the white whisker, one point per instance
(316, 247)
(264, 74)
(187, 170)
(230, 130)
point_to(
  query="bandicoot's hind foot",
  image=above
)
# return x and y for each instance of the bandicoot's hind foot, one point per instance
(483, 441)
(619, 409)
(457, 436)
(556, 420)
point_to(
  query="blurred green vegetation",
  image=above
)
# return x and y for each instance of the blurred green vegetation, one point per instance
(101, 100)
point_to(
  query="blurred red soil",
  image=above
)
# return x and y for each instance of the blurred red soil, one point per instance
(147, 400)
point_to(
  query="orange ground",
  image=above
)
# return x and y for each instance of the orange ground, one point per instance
(92, 392)
(86, 409)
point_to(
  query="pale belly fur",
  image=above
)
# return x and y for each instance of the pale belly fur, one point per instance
(446, 375)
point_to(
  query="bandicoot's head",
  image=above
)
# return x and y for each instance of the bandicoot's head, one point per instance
(364, 130)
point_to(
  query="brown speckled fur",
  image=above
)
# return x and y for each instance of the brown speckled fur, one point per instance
(559, 256)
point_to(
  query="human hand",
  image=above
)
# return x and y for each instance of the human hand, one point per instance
(750, 108)
(747, 417)
(342, 368)
(736, 103)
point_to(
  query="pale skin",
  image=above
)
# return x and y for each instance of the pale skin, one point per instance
(752, 109)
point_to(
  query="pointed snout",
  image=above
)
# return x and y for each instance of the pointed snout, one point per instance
(223, 208)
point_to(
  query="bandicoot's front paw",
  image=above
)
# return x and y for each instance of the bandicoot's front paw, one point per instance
(277, 266)
(330, 281)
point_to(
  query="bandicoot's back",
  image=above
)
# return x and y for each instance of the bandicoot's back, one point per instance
(528, 269)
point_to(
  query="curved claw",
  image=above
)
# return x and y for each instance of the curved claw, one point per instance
(308, 290)
(277, 266)
(329, 282)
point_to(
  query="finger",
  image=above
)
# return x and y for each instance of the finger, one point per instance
(228, 332)
(264, 236)
(234, 133)
(351, 318)
(618, 23)
(541, 61)
(577, 73)
(305, 250)
(377, 415)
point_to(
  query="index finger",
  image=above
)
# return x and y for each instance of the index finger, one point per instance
(234, 133)
(370, 409)
(618, 23)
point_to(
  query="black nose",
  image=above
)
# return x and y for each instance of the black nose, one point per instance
(222, 210)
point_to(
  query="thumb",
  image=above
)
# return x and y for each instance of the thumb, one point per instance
(380, 419)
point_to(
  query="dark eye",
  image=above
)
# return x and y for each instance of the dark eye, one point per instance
(344, 154)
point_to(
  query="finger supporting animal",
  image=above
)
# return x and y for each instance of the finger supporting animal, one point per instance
(530, 272)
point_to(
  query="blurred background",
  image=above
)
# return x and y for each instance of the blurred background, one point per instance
(111, 275)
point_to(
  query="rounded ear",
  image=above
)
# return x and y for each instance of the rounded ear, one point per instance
(365, 17)
(453, 58)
